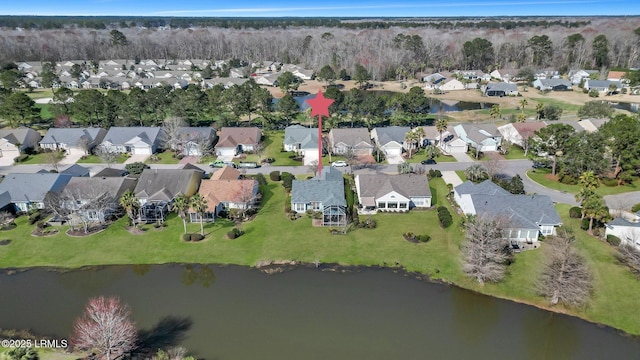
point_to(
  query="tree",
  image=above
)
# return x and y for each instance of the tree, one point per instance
(199, 206)
(574, 44)
(478, 54)
(288, 106)
(136, 168)
(130, 204)
(361, 76)
(586, 152)
(495, 111)
(441, 127)
(565, 277)
(484, 256)
(327, 74)
(181, 206)
(20, 353)
(106, 328)
(404, 168)
(88, 106)
(476, 173)
(117, 38)
(629, 256)
(551, 141)
(431, 151)
(54, 158)
(516, 186)
(622, 134)
(172, 130)
(595, 109)
(600, 51)
(19, 109)
(523, 104)
(539, 111)
(542, 49)
(595, 208)
(551, 112)
(288, 82)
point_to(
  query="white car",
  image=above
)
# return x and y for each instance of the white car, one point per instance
(339, 163)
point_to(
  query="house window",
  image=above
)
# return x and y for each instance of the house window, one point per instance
(316, 206)
(546, 230)
(382, 205)
(403, 205)
(92, 215)
(392, 205)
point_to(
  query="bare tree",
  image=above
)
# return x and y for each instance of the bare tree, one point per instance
(86, 204)
(54, 158)
(630, 256)
(106, 328)
(245, 195)
(106, 156)
(313, 167)
(171, 128)
(204, 145)
(485, 252)
(565, 277)
(493, 167)
(259, 149)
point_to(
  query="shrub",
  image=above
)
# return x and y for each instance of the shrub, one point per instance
(21, 158)
(444, 216)
(196, 237)
(594, 93)
(269, 160)
(431, 174)
(613, 240)
(584, 224)
(610, 182)
(234, 233)
(274, 175)
(438, 173)
(261, 179)
(423, 238)
(231, 235)
(41, 224)
(635, 208)
(568, 179)
(33, 218)
(186, 237)
(287, 180)
(575, 212)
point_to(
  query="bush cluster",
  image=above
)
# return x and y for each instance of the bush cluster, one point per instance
(416, 238)
(613, 240)
(35, 217)
(368, 223)
(287, 180)
(575, 212)
(434, 174)
(274, 175)
(261, 179)
(192, 237)
(444, 216)
(234, 233)
(568, 179)
(610, 182)
(635, 208)
(20, 158)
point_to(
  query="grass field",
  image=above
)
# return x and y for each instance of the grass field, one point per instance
(540, 176)
(94, 159)
(165, 157)
(614, 294)
(516, 153)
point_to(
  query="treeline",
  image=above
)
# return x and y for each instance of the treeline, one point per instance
(103, 22)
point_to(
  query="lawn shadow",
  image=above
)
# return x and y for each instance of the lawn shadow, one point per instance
(167, 333)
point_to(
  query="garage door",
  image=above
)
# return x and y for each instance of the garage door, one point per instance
(226, 152)
(141, 150)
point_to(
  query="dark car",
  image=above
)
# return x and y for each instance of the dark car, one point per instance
(540, 165)
(428, 162)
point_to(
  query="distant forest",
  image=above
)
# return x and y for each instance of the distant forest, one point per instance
(389, 49)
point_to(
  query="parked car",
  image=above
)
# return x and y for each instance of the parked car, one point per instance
(540, 165)
(248, 164)
(428, 162)
(339, 163)
(220, 163)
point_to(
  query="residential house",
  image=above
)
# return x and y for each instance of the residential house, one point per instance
(603, 86)
(323, 193)
(74, 141)
(505, 75)
(157, 188)
(226, 173)
(356, 140)
(482, 137)
(134, 140)
(226, 195)
(431, 135)
(235, 140)
(552, 84)
(194, 141)
(28, 191)
(391, 139)
(451, 84)
(14, 141)
(451, 143)
(577, 76)
(111, 172)
(501, 89)
(525, 217)
(618, 76)
(397, 193)
(303, 141)
(473, 75)
(519, 133)
(95, 199)
(626, 229)
(546, 74)
(592, 125)
(76, 170)
(269, 79)
(433, 80)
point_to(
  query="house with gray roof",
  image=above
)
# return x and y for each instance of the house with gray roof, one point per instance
(28, 191)
(323, 193)
(235, 140)
(157, 188)
(501, 89)
(14, 141)
(94, 199)
(73, 140)
(396, 193)
(390, 139)
(76, 170)
(525, 217)
(627, 230)
(194, 141)
(357, 140)
(552, 85)
(303, 141)
(134, 140)
(602, 86)
(482, 137)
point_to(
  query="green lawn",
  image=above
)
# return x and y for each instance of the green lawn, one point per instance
(36, 159)
(515, 153)
(462, 175)
(94, 159)
(539, 176)
(568, 108)
(612, 303)
(417, 158)
(165, 157)
(44, 111)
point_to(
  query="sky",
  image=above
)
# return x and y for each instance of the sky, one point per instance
(328, 8)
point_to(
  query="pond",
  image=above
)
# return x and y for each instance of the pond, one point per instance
(242, 313)
(631, 107)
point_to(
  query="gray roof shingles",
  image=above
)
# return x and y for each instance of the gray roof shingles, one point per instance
(328, 189)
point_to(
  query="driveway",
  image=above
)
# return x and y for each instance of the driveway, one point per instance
(137, 158)
(70, 159)
(6, 161)
(450, 177)
(394, 159)
(227, 158)
(461, 157)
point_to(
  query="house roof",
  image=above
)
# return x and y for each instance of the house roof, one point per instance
(486, 187)
(352, 137)
(165, 184)
(502, 86)
(110, 172)
(17, 136)
(622, 222)
(430, 132)
(521, 211)
(187, 133)
(96, 186)
(226, 173)
(616, 74)
(602, 84)
(554, 82)
(190, 166)
(592, 125)
(407, 185)
(122, 135)
(234, 136)
(528, 129)
(223, 191)
(477, 132)
(32, 187)
(306, 137)
(391, 133)
(76, 170)
(328, 189)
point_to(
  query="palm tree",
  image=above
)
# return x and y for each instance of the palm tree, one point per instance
(523, 103)
(476, 173)
(539, 109)
(130, 204)
(495, 111)
(441, 126)
(181, 206)
(411, 138)
(199, 205)
(588, 180)
(521, 118)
